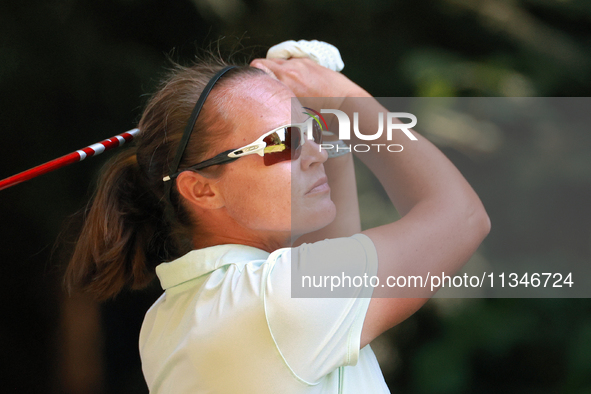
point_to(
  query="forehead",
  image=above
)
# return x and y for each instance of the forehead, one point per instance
(261, 102)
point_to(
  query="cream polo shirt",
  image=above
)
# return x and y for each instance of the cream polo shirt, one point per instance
(227, 323)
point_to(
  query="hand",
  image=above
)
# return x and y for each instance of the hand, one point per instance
(308, 79)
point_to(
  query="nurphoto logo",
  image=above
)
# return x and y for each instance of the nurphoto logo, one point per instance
(393, 124)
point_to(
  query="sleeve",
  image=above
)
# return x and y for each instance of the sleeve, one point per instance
(317, 325)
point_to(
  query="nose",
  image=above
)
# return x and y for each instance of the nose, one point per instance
(312, 154)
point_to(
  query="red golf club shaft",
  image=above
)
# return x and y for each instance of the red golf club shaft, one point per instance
(70, 158)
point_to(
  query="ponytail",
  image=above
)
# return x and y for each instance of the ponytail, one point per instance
(124, 236)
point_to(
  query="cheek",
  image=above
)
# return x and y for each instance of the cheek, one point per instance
(259, 197)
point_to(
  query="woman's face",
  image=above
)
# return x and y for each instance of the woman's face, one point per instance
(283, 200)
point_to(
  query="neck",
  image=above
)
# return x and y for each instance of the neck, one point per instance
(218, 234)
(200, 242)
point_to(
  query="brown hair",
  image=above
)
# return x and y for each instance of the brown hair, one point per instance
(130, 226)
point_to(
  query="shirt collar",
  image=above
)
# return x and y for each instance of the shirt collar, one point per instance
(202, 261)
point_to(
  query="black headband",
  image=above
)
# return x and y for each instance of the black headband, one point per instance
(191, 123)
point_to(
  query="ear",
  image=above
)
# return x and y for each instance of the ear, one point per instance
(199, 191)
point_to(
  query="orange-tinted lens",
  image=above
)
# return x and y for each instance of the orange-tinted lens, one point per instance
(316, 132)
(291, 147)
(281, 149)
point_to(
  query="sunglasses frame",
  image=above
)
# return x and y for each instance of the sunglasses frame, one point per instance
(258, 147)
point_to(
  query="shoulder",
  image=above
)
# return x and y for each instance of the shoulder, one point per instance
(315, 268)
(358, 247)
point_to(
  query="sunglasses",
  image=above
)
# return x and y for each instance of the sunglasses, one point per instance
(281, 144)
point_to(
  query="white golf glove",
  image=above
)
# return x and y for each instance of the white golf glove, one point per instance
(323, 53)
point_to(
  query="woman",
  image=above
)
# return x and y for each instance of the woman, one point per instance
(225, 224)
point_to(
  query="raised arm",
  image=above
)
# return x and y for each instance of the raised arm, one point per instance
(443, 221)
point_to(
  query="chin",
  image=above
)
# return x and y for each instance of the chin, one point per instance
(314, 219)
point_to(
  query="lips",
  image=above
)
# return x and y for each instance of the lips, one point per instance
(320, 185)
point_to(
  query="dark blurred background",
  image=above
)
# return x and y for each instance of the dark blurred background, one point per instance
(74, 72)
